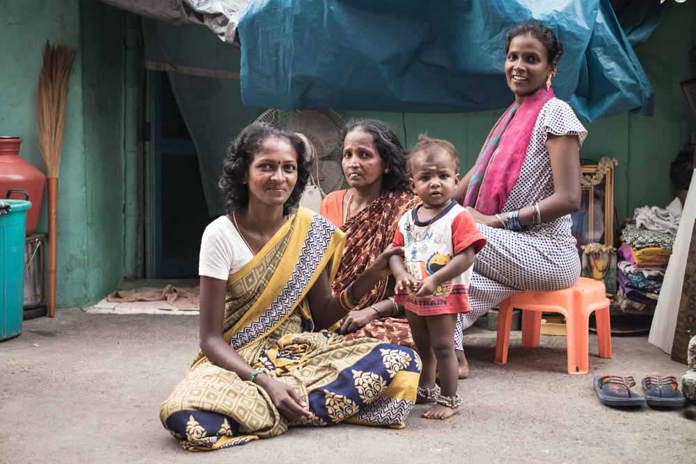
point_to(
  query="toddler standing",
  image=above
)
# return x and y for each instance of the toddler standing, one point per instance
(440, 241)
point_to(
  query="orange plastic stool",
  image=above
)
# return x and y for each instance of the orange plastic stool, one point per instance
(576, 304)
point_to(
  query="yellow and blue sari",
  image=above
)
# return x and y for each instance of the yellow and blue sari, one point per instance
(267, 321)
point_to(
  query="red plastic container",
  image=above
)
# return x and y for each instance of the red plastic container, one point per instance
(20, 180)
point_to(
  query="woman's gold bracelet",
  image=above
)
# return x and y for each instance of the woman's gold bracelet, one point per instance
(344, 301)
(537, 214)
(501, 220)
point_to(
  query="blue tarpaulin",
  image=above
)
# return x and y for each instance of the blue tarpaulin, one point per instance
(434, 56)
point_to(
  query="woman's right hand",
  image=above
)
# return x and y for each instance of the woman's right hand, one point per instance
(381, 262)
(286, 400)
(355, 320)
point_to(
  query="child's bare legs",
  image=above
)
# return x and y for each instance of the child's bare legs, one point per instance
(421, 337)
(440, 330)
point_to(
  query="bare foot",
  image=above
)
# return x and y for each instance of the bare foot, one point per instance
(440, 412)
(463, 365)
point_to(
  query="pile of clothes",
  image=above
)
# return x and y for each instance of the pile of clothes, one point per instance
(644, 253)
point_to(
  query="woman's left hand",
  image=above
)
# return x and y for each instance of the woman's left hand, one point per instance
(480, 218)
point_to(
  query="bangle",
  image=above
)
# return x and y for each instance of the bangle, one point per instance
(254, 374)
(351, 296)
(374, 308)
(500, 220)
(513, 220)
(537, 215)
(344, 301)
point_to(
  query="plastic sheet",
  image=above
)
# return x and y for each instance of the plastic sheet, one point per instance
(445, 56)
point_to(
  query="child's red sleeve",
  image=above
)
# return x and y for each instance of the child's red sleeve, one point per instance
(398, 240)
(466, 234)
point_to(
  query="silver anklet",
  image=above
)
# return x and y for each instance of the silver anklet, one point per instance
(452, 402)
(429, 393)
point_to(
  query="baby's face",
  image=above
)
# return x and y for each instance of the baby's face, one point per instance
(433, 177)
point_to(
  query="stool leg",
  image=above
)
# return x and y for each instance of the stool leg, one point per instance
(603, 332)
(578, 333)
(502, 340)
(531, 328)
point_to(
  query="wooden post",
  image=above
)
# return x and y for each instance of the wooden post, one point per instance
(686, 317)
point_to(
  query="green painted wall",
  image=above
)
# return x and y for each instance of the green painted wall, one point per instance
(643, 145)
(99, 208)
(90, 224)
(103, 79)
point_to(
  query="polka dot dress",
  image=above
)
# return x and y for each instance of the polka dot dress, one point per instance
(541, 257)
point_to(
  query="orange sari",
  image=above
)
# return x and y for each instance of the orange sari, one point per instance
(368, 233)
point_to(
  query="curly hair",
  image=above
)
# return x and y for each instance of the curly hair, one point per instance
(239, 155)
(553, 46)
(389, 149)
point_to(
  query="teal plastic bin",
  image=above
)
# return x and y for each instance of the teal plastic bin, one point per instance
(13, 214)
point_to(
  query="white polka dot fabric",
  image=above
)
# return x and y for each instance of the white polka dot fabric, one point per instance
(541, 257)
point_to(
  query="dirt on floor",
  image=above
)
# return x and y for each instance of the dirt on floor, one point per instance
(87, 388)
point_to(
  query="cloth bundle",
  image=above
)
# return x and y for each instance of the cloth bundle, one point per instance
(639, 238)
(644, 254)
(657, 219)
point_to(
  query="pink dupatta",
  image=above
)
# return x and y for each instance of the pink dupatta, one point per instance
(500, 160)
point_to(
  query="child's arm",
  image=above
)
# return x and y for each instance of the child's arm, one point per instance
(457, 265)
(404, 280)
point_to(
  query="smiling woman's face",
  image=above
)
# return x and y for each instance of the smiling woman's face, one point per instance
(526, 65)
(361, 163)
(272, 174)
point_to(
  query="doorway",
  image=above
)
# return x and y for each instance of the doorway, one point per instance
(177, 212)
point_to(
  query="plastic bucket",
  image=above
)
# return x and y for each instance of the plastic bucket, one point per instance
(13, 215)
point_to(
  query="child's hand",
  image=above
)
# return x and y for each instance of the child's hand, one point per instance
(405, 282)
(427, 287)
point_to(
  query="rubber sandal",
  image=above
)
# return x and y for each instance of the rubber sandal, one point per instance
(615, 391)
(662, 391)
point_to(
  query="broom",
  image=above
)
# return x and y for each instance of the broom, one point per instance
(52, 95)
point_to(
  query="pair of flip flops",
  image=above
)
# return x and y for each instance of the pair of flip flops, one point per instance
(659, 391)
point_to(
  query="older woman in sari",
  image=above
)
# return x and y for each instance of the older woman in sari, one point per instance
(265, 274)
(374, 166)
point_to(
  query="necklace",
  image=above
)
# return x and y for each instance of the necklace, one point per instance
(241, 234)
(349, 203)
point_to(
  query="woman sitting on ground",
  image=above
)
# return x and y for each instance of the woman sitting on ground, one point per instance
(374, 165)
(265, 287)
(526, 182)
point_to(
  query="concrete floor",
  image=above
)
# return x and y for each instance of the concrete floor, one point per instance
(86, 388)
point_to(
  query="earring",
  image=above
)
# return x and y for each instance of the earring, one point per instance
(548, 81)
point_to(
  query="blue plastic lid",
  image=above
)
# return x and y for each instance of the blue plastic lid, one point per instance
(15, 206)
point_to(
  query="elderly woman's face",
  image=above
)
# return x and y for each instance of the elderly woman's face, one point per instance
(362, 165)
(272, 173)
(526, 65)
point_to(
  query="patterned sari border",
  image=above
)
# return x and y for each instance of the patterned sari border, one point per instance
(313, 250)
